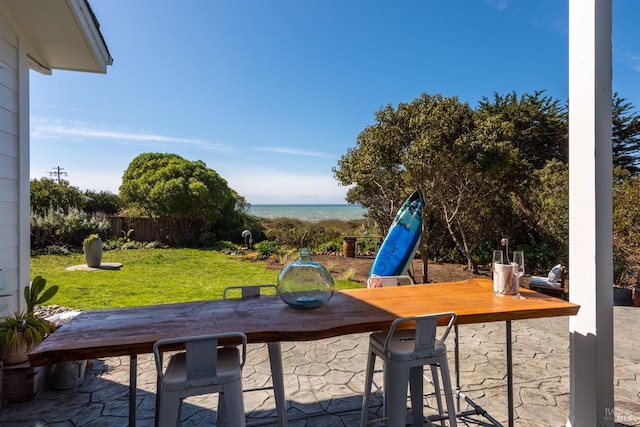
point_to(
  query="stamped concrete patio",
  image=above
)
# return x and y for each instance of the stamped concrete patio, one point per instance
(324, 381)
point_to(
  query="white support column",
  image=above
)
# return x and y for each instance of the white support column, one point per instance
(24, 181)
(590, 212)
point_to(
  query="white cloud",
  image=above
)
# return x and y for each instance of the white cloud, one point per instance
(294, 152)
(498, 4)
(58, 129)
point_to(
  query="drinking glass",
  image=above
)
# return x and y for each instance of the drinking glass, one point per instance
(497, 259)
(518, 259)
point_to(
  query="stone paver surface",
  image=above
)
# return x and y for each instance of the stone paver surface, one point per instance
(324, 382)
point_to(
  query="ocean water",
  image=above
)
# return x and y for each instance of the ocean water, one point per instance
(311, 213)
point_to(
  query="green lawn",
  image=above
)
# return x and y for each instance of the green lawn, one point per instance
(151, 276)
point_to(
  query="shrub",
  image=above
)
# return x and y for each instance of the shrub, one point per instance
(133, 245)
(329, 247)
(63, 229)
(267, 248)
(225, 245)
(56, 250)
(156, 244)
(208, 239)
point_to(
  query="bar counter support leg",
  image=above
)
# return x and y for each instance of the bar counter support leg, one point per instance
(509, 373)
(277, 377)
(133, 386)
(456, 348)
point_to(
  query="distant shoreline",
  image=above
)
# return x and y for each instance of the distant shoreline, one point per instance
(308, 212)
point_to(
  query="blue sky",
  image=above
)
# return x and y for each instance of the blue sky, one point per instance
(270, 93)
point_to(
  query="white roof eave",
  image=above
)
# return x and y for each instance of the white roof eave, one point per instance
(59, 34)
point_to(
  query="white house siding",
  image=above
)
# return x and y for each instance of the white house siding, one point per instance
(10, 257)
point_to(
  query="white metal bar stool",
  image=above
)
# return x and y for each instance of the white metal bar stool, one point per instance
(202, 368)
(275, 352)
(404, 353)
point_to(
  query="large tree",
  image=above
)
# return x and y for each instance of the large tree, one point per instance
(375, 167)
(536, 128)
(625, 135)
(474, 167)
(428, 145)
(47, 193)
(169, 186)
(538, 125)
(102, 201)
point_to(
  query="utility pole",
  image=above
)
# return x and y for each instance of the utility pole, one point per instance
(57, 172)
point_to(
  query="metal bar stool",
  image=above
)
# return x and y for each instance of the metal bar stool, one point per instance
(202, 368)
(275, 353)
(404, 353)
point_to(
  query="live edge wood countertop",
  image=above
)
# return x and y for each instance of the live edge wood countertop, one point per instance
(133, 330)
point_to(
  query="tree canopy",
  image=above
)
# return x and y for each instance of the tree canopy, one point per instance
(625, 136)
(473, 166)
(47, 193)
(169, 186)
(499, 170)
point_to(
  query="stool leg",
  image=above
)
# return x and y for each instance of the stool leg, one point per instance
(234, 404)
(169, 410)
(396, 380)
(417, 392)
(436, 387)
(448, 392)
(368, 382)
(222, 411)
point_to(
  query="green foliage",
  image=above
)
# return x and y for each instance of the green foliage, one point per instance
(156, 244)
(102, 201)
(185, 193)
(461, 161)
(208, 239)
(537, 125)
(625, 136)
(626, 227)
(90, 238)
(32, 293)
(294, 233)
(56, 250)
(267, 248)
(328, 247)
(126, 235)
(33, 329)
(225, 246)
(57, 227)
(133, 244)
(168, 185)
(48, 194)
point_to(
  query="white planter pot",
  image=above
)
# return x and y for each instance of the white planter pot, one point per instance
(93, 253)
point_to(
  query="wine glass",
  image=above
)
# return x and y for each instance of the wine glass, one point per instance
(518, 260)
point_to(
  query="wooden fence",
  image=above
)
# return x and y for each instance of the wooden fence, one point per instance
(175, 232)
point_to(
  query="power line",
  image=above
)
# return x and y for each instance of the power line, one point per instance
(57, 172)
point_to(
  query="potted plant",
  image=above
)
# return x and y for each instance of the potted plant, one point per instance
(20, 331)
(92, 247)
